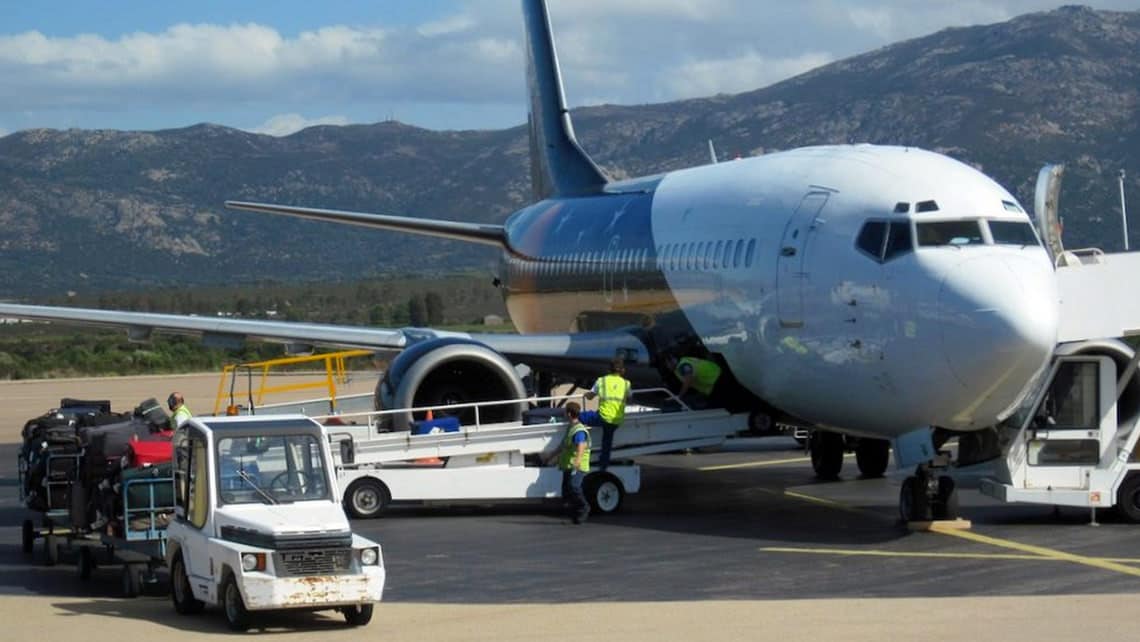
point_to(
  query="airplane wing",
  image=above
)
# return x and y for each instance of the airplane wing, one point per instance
(539, 350)
(485, 234)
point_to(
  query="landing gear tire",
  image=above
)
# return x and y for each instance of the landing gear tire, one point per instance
(366, 498)
(826, 454)
(605, 493)
(237, 616)
(1128, 499)
(358, 615)
(946, 503)
(872, 456)
(913, 503)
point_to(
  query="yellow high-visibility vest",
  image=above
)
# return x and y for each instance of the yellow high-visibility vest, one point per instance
(570, 449)
(705, 374)
(612, 391)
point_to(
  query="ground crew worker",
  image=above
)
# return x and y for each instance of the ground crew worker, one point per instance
(179, 412)
(574, 459)
(700, 375)
(615, 391)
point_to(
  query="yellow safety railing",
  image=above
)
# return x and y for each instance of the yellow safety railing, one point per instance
(332, 364)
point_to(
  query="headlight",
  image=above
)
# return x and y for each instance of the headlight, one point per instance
(369, 556)
(252, 562)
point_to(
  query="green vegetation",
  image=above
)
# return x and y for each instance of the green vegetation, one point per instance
(37, 350)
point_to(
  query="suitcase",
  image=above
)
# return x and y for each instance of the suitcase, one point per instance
(149, 453)
(544, 416)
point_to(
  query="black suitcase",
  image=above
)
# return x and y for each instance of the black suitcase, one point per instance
(543, 416)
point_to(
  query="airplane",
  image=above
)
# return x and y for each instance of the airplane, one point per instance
(867, 291)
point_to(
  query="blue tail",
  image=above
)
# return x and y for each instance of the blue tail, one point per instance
(558, 166)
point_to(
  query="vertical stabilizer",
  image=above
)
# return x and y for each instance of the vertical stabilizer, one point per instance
(558, 166)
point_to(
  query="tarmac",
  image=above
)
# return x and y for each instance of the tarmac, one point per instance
(738, 544)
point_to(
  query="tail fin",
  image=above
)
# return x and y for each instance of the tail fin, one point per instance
(558, 166)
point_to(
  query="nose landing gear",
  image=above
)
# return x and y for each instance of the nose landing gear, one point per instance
(927, 496)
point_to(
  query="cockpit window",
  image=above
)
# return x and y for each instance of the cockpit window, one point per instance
(1012, 233)
(898, 240)
(885, 240)
(936, 233)
(871, 237)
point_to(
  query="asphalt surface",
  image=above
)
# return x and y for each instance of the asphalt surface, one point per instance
(740, 539)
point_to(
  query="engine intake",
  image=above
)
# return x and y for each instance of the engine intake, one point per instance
(450, 371)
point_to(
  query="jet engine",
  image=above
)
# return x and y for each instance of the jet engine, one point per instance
(450, 371)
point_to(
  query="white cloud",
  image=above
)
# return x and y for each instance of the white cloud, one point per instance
(735, 75)
(285, 124)
(458, 23)
(466, 61)
(3, 132)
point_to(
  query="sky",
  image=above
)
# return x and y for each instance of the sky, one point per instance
(277, 66)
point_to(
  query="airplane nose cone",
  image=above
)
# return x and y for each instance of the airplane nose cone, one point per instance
(1000, 326)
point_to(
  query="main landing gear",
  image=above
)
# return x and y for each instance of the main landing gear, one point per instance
(827, 450)
(927, 496)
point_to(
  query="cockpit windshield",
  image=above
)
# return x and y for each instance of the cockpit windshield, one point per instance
(936, 233)
(271, 470)
(1013, 233)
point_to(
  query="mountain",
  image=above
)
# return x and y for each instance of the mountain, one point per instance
(90, 210)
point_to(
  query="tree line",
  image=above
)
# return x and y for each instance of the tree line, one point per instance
(38, 350)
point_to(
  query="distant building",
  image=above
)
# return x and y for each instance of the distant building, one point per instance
(492, 319)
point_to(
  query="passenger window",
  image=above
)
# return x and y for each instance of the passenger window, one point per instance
(1013, 233)
(871, 238)
(690, 252)
(710, 258)
(736, 254)
(898, 240)
(698, 256)
(725, 254)
(938, 233)
(748, 254)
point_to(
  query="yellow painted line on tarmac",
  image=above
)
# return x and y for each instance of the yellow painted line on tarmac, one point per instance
(1095, 562)
(879, 553)
(1041, 552)
(756, 464)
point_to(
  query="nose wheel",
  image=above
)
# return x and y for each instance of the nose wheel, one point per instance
(926, 496)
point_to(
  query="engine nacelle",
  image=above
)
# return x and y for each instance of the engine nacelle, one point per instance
(449, 371)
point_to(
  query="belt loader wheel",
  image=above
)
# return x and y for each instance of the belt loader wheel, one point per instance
(604, 492)
(366, 498)
(1128, 498)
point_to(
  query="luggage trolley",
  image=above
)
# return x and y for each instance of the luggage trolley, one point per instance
(148, 505)
(61, 471)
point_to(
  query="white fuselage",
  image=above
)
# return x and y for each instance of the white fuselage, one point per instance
(762, 258)
(944, 335)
